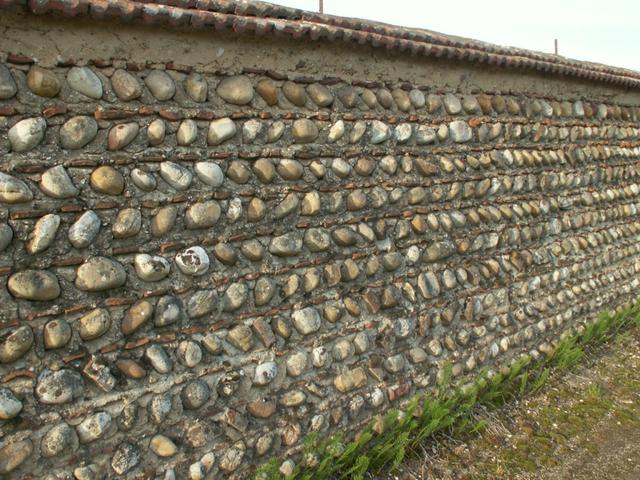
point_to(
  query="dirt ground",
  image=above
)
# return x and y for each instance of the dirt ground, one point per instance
(584, 424)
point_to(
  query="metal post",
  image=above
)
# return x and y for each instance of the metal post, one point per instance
(555, 41)
(321, 6)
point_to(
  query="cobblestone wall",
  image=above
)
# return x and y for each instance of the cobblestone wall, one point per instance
(199, 269)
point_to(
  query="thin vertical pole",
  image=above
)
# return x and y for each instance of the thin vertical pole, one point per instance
(321, 6)
(555, 41)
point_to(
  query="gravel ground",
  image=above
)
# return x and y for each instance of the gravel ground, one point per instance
(585, 424)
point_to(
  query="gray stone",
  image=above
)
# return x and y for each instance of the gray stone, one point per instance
(94, 427)
(209, 173)
(6, 235)
(143, 180)
(8, 86)
(59, 440)
(161, 85)
(417, 98)
(78, 132)
(84, 230)
(306, 320)
(122, 135)
(189, 353)
(317, 240)
(16, 344)
(160, 405)
(125, 458)
(159, 359)
(44, 233)
(193, 261)
(265, 372)
(287, 245)
(425, 135)
(61, 386)
(10, 406)
(296, 363)
(196, 87)
(236, 90)
(27, 134)
(187, 132)
(263, 291)
(127, 224)
(234, 296)
(100, 273)
(169, 310)
(202, 303)
(151, 268)
(460, 131)
(176, 175)
(452, 104)
(221, 130)
(85, 81)
(126, 86)
(38, 285)
(428, 285)
(57, 183)
(195, 394)
(250, 130)
(379, 132)
(403, 132)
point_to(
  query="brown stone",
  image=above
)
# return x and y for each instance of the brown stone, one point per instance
(304, 131)
(163, 221)
(255, 210)
(131, 368)
(351, 380)
(263, 169)
(268, 90)
(107, 180)
(136, 317)
(43, 82)
(294, 93)
(262, 407)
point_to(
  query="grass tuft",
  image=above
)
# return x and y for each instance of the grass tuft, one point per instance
(385, 443)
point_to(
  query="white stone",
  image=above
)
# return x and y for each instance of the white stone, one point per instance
(403, 132)
(379, 132)
(176, 175)
(460, 131)
(265, 372)
(336, 131)
(85, 229)
(10, 406)
(187, 132)
(156, 132)
(27, 133)
(307, 320)
(44, 233)
(209, 173)
(193, 261)
(57, 183)
(13, 190)
(151, 268)
(250, 130)
(93, 427)
(221, 130)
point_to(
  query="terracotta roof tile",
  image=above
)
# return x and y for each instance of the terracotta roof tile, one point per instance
(260, 18)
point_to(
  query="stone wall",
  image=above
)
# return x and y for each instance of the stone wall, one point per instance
(202, 265)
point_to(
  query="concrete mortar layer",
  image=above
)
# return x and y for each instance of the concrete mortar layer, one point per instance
(198, 270)
(50, 40)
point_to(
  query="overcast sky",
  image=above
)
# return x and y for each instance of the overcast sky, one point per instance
(604, 31)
